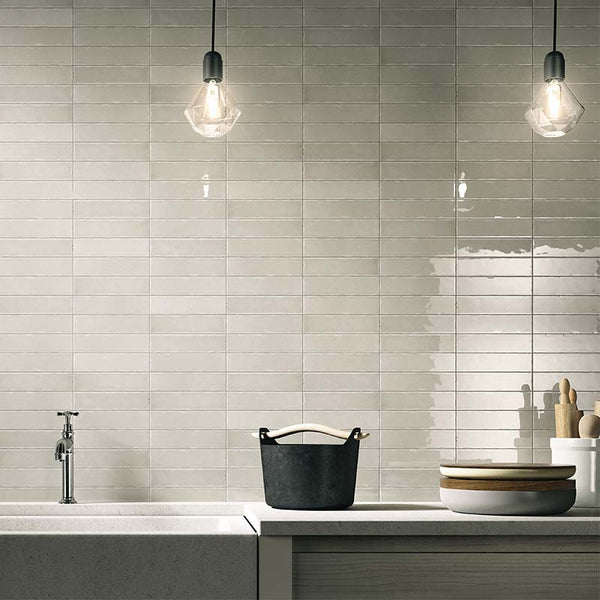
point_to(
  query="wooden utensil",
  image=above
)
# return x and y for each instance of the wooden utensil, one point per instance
(565, 413)
(597, 408)
(573, 400)
(589, 426)
(566, 419)
(564, 387)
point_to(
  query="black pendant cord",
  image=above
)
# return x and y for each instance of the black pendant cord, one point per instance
(554, 63)
(553, 33)
(212, 64)
(212, 47)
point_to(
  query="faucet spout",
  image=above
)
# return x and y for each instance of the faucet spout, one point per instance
(64, 452)
(60, 451)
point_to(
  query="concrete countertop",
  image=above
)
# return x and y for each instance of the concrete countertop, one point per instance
(126, 525)
(121, 509)
(199, 518)
(424, 518)
(124, 518)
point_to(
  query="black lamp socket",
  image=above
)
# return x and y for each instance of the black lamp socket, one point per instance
(554, 66)
(212, 66)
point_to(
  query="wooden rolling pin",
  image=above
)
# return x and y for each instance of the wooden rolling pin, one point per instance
(565, 413)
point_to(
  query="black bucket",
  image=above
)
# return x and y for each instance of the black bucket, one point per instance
(309, 476)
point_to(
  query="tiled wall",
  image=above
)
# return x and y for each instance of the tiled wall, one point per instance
(332, 273)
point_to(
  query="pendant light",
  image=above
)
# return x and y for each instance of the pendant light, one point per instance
(213, 111)
(555, 110)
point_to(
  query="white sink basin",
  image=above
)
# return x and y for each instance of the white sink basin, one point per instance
(125, 525)
(148, 551)
(13, 509)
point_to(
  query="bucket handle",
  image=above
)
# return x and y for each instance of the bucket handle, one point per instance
(302, 427)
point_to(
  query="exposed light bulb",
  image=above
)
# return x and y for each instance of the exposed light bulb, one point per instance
(213, 112)
(555, 110)
(553, 99)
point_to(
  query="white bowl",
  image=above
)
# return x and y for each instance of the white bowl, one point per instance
(500, 502)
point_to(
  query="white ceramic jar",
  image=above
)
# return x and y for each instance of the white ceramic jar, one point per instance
(585, 455)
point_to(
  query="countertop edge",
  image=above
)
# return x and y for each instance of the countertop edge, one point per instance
(438, 522)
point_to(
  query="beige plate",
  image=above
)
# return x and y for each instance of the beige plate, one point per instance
(507, 471)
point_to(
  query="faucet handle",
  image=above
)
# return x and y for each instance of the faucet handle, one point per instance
(68, 415)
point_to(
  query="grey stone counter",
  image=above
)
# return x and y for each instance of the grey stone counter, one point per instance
(413, 519)
(198, 518)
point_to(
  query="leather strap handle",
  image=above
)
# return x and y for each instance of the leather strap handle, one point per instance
(314, 427)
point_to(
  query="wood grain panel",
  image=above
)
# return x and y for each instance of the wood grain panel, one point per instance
(448, 543)
(442, 576)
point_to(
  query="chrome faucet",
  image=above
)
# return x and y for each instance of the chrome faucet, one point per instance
(64, 453)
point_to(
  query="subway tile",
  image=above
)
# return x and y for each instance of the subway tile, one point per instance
(365, 189)
(182, 17)
(440, 439)
(493, 36)
(343, 55)
(251, 297)
(243, 55)
(324, 17)
(563, 286)
(246, 36)
(26, 36)
(341, 36)
(110, 56)
(113, 36)
(425, 132)
(491, 112)
(503, 17)
(417, 74)
(437, 55)
(35, 17)
(485, 440)
(340, 113)
(399, 458)
(417, 92)
(417, 113)
(353, 208)
(339, 342)
(105, 17)
(187, 477)
(494, 55)
(265, 17)
(417, 36)
(245, 342)
(418, 18)
(489, 401)
(340, 74)
(417, 304)
(355, 363)
(417, 151)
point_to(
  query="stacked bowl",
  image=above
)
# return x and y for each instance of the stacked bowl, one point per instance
(507, 488)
